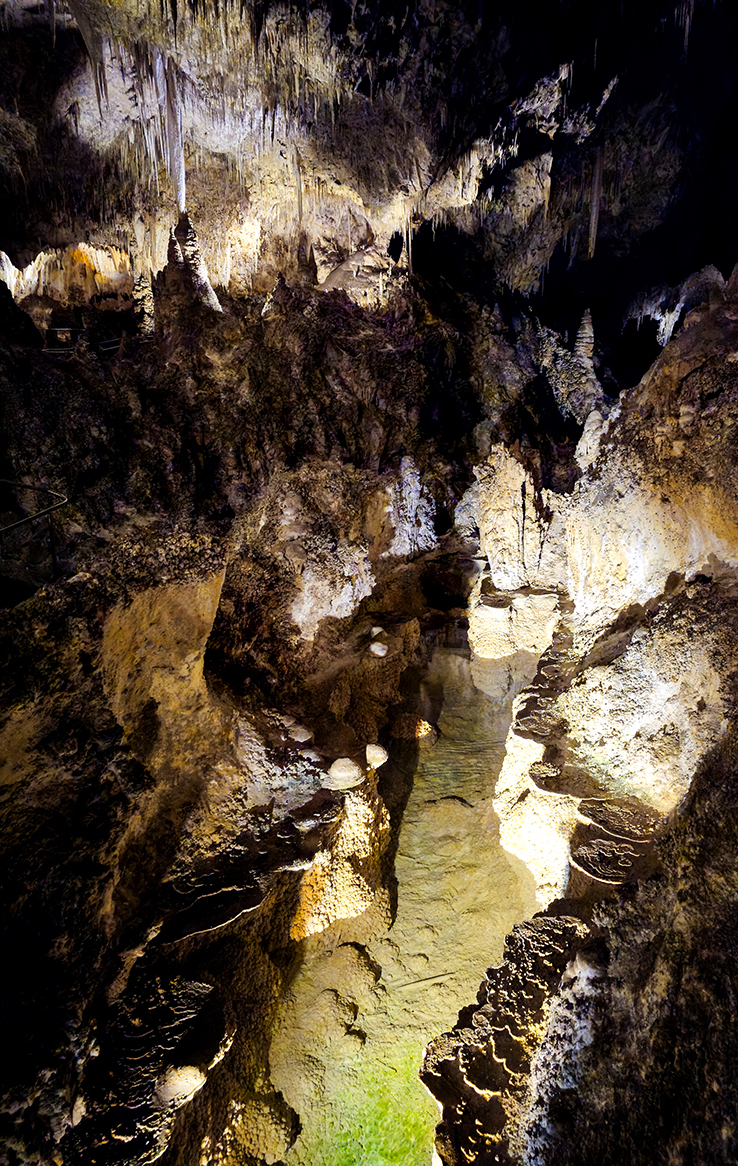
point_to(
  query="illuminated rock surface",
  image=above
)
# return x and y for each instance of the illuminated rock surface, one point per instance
(353, 1025)
(367, 740)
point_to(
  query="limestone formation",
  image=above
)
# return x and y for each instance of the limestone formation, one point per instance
(376, 756)
(344, 773)
(572, 374)
(581, 791)
(378, 649)
(368, 580)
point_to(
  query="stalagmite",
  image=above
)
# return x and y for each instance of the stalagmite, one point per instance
(192, 258)
(584, 344)
(143, 298)
(571, 374)
(376, 756)
(174, 252)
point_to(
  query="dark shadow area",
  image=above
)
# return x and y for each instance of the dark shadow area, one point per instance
(445, 255)
(544, 439)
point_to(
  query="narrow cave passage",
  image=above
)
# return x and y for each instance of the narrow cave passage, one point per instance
(350, 1034)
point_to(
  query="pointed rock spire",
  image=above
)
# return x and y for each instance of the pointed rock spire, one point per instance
(190, 245)
(175, 257)
(584, 345)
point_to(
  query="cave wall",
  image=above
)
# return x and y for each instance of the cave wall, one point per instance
(386, 633)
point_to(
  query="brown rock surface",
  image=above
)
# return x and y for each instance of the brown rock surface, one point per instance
(630, 717)
(383, 617)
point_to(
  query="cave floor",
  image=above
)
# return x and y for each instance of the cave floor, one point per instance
(350, 1039)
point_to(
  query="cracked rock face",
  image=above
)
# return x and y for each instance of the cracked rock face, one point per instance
(369, 560)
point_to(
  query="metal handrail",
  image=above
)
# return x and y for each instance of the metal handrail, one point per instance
(38, 513)
(46, 512)
(103, 345)
(112, 346)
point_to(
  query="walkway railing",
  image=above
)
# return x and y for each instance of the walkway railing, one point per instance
(45, 513)
(110, 345)
(103, 346)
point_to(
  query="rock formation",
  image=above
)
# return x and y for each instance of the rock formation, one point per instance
(369, 563)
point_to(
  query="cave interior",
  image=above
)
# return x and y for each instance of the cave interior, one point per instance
(368, 452)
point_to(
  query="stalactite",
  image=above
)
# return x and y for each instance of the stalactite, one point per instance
(594, 206)
(169, 106)
(685, 15)
(174, 137)
(95, 46)
(298, 182)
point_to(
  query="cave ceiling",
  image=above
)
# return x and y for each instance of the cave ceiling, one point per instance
(368, 578)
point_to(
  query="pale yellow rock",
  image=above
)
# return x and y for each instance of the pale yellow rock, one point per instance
(178, 1086)
(526, 625)
(79, 1109)
(640, 725)
(365, 276)
(508, 641)
(613, 542)
(300, 733)
(331, 586)
(153, 654)
(637, 724)
(520, 548)
(376, 756)
(501, 527)
(378, 649)
(624, 538)
(72, 275)
(343, 774)
(343, 881)
(534, 825)
(588, 445)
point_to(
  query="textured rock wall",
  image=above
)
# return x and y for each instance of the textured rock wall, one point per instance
(616, 750)
(198, 821)
(284, 753)
(175, 837)
(303, 139)
(180, 699)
